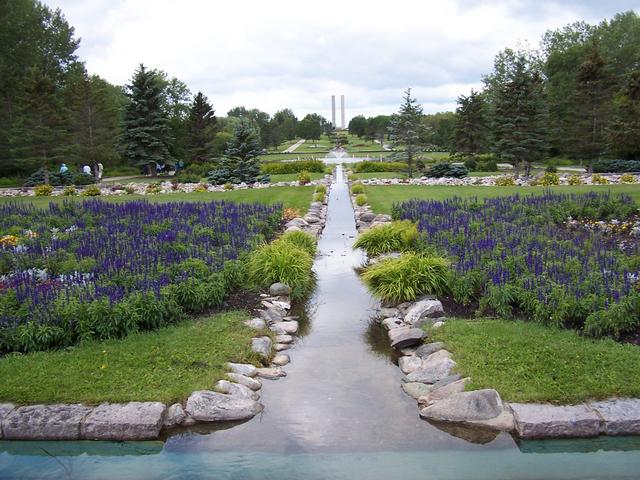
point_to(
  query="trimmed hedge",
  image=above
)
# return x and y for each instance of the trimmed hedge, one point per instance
(297, 166)
(373, 167)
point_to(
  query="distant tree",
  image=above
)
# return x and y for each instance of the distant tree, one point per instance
(146, 127)
(439, 130)
(200, 125)
(219, 143)
(406, 129)
(287, 124)
(470, 130)
(358, 126)
(240, 163)
(378, 128)
(623, 134)
(311, 127)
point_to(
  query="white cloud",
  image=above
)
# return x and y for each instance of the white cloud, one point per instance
(277, 54)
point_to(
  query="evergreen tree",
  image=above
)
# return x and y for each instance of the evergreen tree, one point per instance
(623, 136)
(146, 130)
(200, 127)
(240, 163)
(406, 129)
(519, 117)
(470, 131)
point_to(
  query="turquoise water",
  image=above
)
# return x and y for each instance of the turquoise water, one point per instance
(339, 414)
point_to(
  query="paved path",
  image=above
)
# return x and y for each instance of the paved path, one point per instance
(293, 147)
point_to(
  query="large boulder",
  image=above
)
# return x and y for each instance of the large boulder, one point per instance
(465, 407)
(279, 289)
(534, 420)
(431, 373)
(424, 309)
(270, 315)
(245, 369)
(44, 422)
(405, 337)
(207, 406)
(416, 389)
(124, 421)
(409, 363)
(438, 394)
(285, 328)
(262, 345)
(423, 351)
(620, 416)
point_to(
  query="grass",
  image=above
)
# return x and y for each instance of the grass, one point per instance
(165, 365)
(367, 176)
(293, 177)
(291, 197)
(527, 362)
(382, 198)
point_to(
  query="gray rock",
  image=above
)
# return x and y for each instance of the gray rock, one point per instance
(391, 323)
(550, 421)
(271, 373)
(424, 309)
(409, 364)
(367, 217)
(620, 416)
(174, 416)
(383, 218)
(236, 390)
(316, 205)
(432, 373)
(387, 312)
(124, 421)
(297, 222)
(279, 347)
(293, 228)
(437, 324)
(465, 407)
(279, 311)
(252, 383)
(423, 351)
(408, 351)
(416, 389)
(5, 409)
(256, 324)
(207, 406)
(434, 357)
(285, 328)
(440, 393)
(428, 321)
(261, 345)
(44, 422)
(270, 315)
(405, 337)
(446, 381)
(283, 304)
(284, 338)
(281, 360)
(245, 369)
(311, 219)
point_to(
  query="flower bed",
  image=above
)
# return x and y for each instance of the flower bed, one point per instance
(102, 270)
(516, 257)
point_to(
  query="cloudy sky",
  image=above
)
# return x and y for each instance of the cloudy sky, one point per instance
(272, 54)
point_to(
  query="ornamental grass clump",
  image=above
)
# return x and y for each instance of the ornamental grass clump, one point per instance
(397, 236)
(357, 188)
(301, 240)
(407, 277)
(361, 200)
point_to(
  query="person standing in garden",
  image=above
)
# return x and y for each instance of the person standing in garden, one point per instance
(64, 168)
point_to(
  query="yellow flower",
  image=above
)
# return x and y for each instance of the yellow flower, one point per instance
(103, 366)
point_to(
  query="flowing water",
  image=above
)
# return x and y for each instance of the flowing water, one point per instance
(340, 413)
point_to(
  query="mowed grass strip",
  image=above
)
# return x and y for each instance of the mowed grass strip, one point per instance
(165, 365)
(382, 198)
(292, 197)
(527, 362)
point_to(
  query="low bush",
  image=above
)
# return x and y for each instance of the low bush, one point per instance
(407, 277)
(321, 188)
(153, 188)
(69, 191)
(290, 213)
(548, 179)
(397, 236)
(357, 188)
(446, 169)
(91, 191)
(361, 199)
(471, 164)
(301, 240)
(83, 179)
(616, 166)
(598, 179)
(319, 197)
(627, 178)
(297, 166)
(43, 190)
(373, 167)
(304, 178)
(505, 181)
(575, 180)
(226, 186)
(185, 177)
(488, 166)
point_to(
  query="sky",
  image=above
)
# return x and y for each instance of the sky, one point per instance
(274, 54)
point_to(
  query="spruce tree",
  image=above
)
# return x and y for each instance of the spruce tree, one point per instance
(146, 129)
(200, 129)
(470, 131)
(240, 163)
(406, 129)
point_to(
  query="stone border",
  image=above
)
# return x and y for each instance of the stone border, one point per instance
(231, 400)
(441, 395)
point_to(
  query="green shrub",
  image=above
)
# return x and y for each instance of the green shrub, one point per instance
(505, 181)
(361, 200)
(407, 277)
(597, 179)
(297, 166)
(83, 179)
(357, 188)
(551, 168)
(69, 191)
(91, 191)
(397, 236)
(319, 197)
(488, 166)
(196, 296)
(616, 166)
(321, 188)
(301, 240)
(627, 178)
(304, 178)
(282, 262)
(185, 177)
(373, 167)
(471, 164)
(43, 190)
(228, 186)
(548, 179)
(446, 169)
(575, 180)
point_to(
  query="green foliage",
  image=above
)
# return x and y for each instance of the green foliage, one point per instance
(598, 179)
(91, 191)
(304, 178)
(406, 129)
(471, 132)
(240, 163)
(357, 188)
(505, 181)
(446, 169)
(373, 167)
(616, 166)
(575, 180)
(408, 277)
(361, 199)
(548, 179)
(43, 190)
(321, 188)
(297, 166)
(319, 197)
(200, 125)
(301, 240)
(627, 178)
(397, 236)
(487, 166)
(195, 295)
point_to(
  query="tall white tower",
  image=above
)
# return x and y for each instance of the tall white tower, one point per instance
(333, 111)
(342, 112)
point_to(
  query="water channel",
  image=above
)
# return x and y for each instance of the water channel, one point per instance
(339, 414)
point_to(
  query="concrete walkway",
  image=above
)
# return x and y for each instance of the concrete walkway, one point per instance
(293, 147)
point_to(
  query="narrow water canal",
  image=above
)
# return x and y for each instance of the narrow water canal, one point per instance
(339, 414)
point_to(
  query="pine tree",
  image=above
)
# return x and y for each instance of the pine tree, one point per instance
(470, 131)
(240, 163)
(146, 130)
(519, 116)
(623, 136)
(406, 129)
(200, 129)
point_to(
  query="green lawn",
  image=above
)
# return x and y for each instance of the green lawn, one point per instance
(294, 197)
(382, 198)
(165, 365)
(367, 176)
(527, 362)
(293, 177)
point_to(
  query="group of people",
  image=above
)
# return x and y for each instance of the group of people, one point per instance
(86, 169)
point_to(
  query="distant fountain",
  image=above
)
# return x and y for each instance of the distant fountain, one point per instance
(339, 155)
